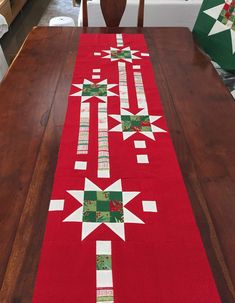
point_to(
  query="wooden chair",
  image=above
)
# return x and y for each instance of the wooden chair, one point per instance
(113, 11)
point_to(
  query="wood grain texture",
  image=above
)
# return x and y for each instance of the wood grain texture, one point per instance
(200, 113)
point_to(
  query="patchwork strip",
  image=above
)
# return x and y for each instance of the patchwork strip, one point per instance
(104, 275)
(140, 93)
(123, 89)
(227, 15)
(103, 143)
(119, 40)
(83, 136)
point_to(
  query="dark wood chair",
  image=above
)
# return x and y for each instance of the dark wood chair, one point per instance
(113, 11)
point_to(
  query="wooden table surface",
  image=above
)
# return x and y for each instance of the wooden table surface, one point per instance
(201, 118)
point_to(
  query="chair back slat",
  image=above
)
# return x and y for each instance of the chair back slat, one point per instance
(141, 14)
(84, 13)
(113, 11)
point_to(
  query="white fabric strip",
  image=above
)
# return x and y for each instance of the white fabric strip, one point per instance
(103, 248)
(83, 136)
(119, 40)
(123, 90)
(104, 278)
(103, 143)
(140, 93)
(56, 205)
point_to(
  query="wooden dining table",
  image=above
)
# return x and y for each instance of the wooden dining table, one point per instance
(200, 114)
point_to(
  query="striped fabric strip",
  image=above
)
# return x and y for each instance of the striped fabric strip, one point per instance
(103, 143)
(83, 136)
(104, 275)
(140, 93)
(123, 90)
(119, 40)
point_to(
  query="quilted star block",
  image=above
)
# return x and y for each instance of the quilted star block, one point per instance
(88, 90)
(142, 122)
(106, 207)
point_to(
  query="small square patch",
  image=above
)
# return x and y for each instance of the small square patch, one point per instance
(104, 278)
(80, 165)
(142, 159)
(140, 144)
(103, 262)
(149, 206)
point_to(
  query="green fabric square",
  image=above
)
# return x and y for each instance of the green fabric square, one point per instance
(223, 13)
(89, 216)
(103, 216)
(115, 195)
(221, 18)
(89, 205)
(90, 195)
(135, 118)
(232, 18)
(103, 262)
(126, 118)
(102, 205)
(126, 54)
(117, 217)
(94, 90)
(102, 195)
(224, 21)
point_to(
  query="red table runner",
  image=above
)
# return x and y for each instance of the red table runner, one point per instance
(120, 226)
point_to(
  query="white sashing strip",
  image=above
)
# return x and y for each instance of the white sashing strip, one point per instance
(123, 89)
(83, 137)
(140, 144)
(144, 54)
(141, 98)
(56, 205)
(103, 143)
(104, 274)
(119, 40)
(95, 76)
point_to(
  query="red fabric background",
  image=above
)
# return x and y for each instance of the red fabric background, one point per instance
(161, 261)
